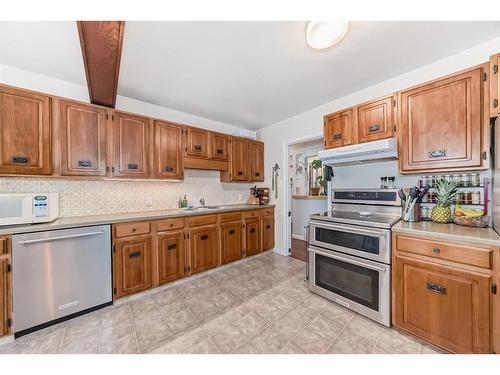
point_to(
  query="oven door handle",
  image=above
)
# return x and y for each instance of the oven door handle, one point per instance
(350, 229)
(355, 262)
(306, 236)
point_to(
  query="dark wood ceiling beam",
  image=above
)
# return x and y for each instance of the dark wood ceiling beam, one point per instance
(101, 43)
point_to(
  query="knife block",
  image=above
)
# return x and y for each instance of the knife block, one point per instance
(253, 200)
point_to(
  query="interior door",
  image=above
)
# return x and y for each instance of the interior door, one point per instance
(441, 123)
(338, 128)
(204, 248)
(168, 159)
(171, 260)
(444, 305)
(131, 136)
(196, 142)
(256, 161)
(239, 160)
(252, 237)
(25, 144)
(376, 120)
(231, 241)
(219, 146)
(82, 132)
(132, 265)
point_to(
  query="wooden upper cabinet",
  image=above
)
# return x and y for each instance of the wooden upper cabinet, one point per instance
(231, 241)
(219, 146)
(82, 136)
(131, 138)
(338, 128)
(441, 124)
(132, 265)
(444, 305)
(25, 140)
(168, 150)
(204, 246)
(494, 85)
(171, 256)
(239, 165)
(196, 142)
(256, 161)
(375, 119)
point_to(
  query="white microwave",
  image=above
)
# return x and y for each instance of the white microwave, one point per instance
(28, 208)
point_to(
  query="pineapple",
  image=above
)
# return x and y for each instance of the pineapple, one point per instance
(446, 192)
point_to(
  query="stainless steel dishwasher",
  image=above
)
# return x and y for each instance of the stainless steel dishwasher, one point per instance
(59, 274)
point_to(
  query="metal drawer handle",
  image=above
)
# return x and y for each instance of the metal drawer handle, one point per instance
(171, 246)
(132, 166)
(204, 237)
(252, 230)
(436, 250)
(268, 227)
(257, 174)
(495, 103)
(436, 288)
(374, 128)
(84, 163)
(27, 242)
(197, 147)
(337, 136)
(20, 159)
(231, 231)
(219, 151)
(437, 154)
(240, 173)
(135, 254)
(169, 169)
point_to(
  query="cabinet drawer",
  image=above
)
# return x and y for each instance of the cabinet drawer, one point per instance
(132, 229)
(267, 212)
(230, 216)
(474, 256)
(197, 221)
(250, 214)
(169, 224)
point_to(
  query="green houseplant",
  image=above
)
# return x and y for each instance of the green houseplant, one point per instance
(319, 181)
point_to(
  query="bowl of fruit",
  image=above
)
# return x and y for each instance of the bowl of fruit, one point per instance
(470, 217)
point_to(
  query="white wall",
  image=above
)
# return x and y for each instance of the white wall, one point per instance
(310, 122)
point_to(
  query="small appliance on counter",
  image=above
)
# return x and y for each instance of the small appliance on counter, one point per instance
(21, 208)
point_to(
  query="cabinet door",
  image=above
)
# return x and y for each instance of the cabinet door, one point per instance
(204, 248)
(168, 160)
(132, 265)
(82, 131)
(267, 233)
(376, 120)
(196, 142)
(494, 85)
(24, 132)
(338, 129)
(131, 135)
(256, 161)
(231, 241)
(3, 296)
(444, 305)
(219, 146)
(252, 237)
(441, 124)
(240, 170)
(171, 260)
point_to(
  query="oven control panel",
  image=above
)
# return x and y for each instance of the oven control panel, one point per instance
(380, 196)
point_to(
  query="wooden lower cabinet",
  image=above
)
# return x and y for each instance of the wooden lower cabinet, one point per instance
(132, 265)
(5, 287)
(204, 248)
(267, 233)
(231, 241)
(445, 303)
(171, 256)
(253, 244)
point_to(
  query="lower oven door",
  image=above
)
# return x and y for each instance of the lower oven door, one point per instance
(358, 284)
(369, 243)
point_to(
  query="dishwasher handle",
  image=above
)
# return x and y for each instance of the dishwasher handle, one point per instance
(48, 239)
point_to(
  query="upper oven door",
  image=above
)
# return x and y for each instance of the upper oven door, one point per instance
(369, 243)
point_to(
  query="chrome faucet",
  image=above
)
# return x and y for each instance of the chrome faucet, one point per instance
(202, 202)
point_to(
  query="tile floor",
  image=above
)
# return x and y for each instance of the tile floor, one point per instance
(258, 305)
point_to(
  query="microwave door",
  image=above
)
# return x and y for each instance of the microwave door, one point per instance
(15, 209)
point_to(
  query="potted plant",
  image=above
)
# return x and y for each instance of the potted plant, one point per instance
(319, 180)
(446, 192)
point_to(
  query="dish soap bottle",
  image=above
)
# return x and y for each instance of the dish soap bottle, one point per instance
(184, 202)
(180, 202)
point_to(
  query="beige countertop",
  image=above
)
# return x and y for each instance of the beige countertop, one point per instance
(449, 232)
(83, 221)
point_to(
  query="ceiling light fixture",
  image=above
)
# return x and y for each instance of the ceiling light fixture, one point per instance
(324, 34)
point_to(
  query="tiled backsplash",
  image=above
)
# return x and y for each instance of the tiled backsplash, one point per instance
(85, 197)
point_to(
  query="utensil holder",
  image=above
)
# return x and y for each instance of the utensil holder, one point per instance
(413, 214)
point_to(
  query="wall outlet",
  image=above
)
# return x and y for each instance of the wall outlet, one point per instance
(240, 196)
(149, 202)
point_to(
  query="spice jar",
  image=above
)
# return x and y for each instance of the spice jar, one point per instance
(463, 180)
(476, 181)
(460, 197)
(476, 197)
(383, 182)
(467, 197)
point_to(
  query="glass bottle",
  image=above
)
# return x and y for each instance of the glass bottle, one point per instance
(476, 181)
(383, 182)
(476, 197)
(390, 183)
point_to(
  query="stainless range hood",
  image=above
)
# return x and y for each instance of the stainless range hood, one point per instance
(385, 149)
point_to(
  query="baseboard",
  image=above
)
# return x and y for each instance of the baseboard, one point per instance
(281, 252)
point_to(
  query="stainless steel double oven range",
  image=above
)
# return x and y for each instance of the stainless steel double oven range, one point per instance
(349, 247)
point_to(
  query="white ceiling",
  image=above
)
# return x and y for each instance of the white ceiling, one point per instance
(249, 74)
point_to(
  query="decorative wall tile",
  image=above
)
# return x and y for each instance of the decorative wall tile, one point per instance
(86, 197)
